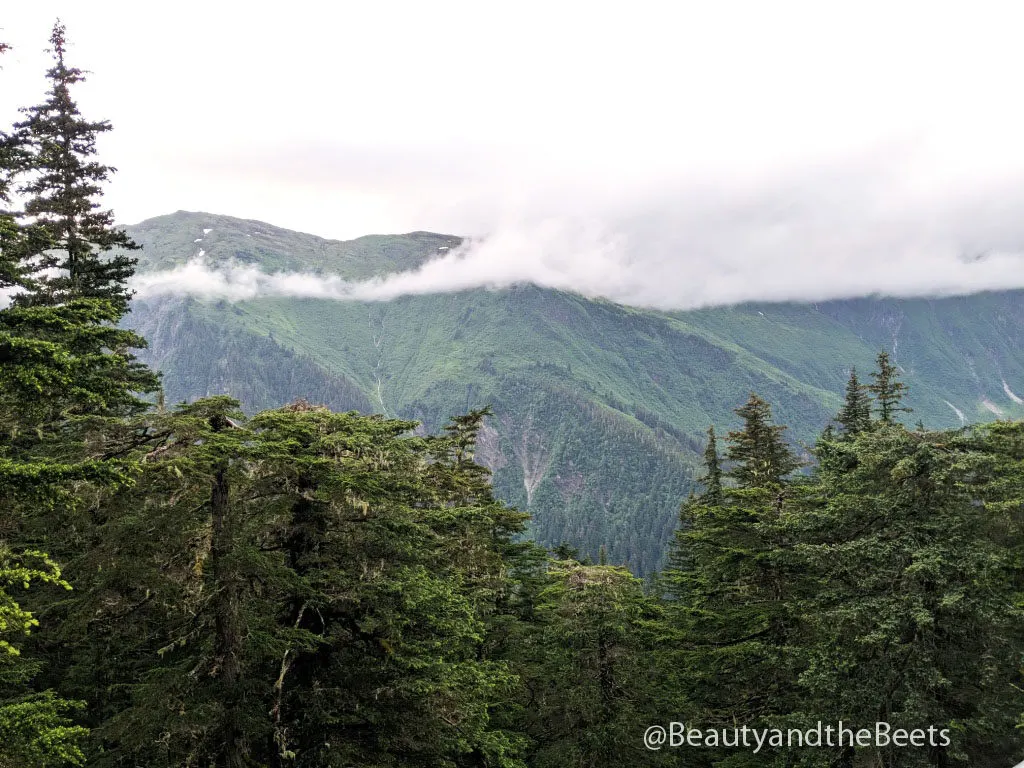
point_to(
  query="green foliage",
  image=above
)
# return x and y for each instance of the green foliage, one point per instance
(884, 587)
(912, 615)
(60, 182)
(304, 588)
(585, 661)
(887, 389)
(760, 457)
(66, 378)
(712, 479)
(855, 415)
(732, 620)
(35, 728)
(69, 361)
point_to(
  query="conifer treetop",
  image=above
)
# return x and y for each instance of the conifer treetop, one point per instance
(855, 415)
(712, 479)
(887, 389)
(759, 453)
(62, 183)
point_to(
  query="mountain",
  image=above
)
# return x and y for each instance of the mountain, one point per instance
(599, 409)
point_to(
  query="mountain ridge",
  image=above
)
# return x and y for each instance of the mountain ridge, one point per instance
(178, 236)
(600, 408)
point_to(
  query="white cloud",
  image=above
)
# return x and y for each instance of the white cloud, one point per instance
(709, 251)
(669, 154)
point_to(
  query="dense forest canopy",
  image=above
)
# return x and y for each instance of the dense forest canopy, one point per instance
(195, 586)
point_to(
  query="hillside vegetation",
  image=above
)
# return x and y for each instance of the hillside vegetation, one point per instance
(599, 409)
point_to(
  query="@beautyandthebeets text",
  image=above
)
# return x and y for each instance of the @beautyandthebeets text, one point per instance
(677, 734)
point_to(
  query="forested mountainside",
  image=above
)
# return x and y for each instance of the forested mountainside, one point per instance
(599, 409)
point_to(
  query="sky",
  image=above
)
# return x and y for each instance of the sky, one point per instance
(662, 154)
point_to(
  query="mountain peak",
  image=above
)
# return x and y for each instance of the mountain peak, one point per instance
(173, 239)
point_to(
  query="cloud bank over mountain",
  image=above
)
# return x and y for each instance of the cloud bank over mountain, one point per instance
(665, 154)
(877, 223)
(728, 127)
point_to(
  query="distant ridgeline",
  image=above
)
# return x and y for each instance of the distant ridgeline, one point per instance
(599, 409)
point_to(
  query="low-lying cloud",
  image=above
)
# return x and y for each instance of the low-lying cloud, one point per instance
(877, 225)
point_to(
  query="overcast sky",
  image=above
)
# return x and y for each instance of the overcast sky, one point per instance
(717, 150)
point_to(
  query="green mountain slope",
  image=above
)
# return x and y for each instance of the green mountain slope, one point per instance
(599, 409)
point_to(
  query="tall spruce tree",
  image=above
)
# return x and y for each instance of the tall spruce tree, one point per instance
(887, 389)
(62, 183)
(66, 376)
(712, 479)
(60, 342)
(35, 724)
(731, 614)
(855, 415)
(759, 454)
(67, 370)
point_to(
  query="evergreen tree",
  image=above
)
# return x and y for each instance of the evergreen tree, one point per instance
(760, 456)
(912, 616)
(855, 415)
(887, 389)
(42, 373)
(62, 187)
(591, 672)
(303, 588)
(712, 479)
(732, 615)
(67, 377)
(63, 354)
